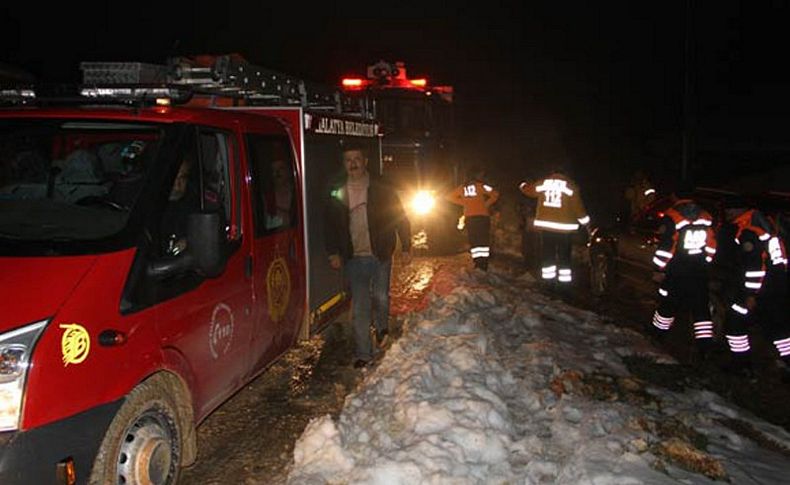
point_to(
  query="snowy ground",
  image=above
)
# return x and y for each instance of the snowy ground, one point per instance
(497, 383)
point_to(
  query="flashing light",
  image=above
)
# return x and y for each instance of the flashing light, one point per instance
(354, 83)
(420, 83)
(422, 202)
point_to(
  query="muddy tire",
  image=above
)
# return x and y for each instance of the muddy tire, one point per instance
(601, 274)
(143, 444)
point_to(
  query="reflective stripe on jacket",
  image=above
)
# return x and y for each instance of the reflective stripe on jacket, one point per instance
(761, 246)
(560, 207)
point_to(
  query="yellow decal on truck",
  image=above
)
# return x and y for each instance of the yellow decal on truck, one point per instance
(75, 343)
(278, 287)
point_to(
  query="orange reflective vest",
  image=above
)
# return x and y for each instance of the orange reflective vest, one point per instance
(475, 197)
(766, 248)
(687, 230)
(560, 207)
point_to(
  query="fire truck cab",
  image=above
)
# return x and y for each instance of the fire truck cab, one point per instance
(161, 243)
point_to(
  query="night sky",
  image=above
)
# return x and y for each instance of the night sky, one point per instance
(599, 83)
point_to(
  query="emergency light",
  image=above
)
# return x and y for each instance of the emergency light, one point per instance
(352, 83)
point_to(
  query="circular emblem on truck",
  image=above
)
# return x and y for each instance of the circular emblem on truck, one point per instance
(75, 344)
(220, 331)
(278, 288)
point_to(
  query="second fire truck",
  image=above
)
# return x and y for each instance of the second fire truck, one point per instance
(417, 145)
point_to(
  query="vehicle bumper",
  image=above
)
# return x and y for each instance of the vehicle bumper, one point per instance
(32, 456)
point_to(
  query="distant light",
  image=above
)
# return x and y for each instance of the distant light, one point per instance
(420, 83)
(163, 101)
(423, 202)
(352, 83)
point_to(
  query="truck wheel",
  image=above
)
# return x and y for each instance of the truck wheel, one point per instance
(143, 443)
(601, 277)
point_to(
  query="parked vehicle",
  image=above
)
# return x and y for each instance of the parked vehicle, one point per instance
(621, 256)
(160, 246)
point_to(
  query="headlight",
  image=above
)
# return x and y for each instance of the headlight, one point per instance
(16, 347)
(422, 202)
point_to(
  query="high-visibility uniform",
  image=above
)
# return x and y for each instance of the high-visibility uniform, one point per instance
(559, 213)
(763, 275)
(476, 198)
(686, 245)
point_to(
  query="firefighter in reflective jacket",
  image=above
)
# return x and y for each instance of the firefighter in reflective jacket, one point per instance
(686, 245)
(762, 288)
(559, 213)
(476, 197)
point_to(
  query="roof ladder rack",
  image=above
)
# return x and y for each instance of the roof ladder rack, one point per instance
(227, 75)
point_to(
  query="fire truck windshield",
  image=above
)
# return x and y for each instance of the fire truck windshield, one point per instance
(403, 117)
(67, 182)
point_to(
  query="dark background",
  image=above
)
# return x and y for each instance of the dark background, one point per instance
(597, 84)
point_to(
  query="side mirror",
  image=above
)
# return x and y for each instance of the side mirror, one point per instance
(206, 241)
(205, 249)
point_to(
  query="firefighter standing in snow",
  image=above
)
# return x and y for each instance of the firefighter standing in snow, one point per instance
(559, 213)
(686, 245)
(762, 289)
(476, 197)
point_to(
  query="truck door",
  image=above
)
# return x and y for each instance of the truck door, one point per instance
(278, 253)
(208, 321)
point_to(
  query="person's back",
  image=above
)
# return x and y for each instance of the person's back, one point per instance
(560, 207)
(559, 213)
(477, 198)
(686, 244)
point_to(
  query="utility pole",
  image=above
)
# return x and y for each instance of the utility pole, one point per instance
(688, 113)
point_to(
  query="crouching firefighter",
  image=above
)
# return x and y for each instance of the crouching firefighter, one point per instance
(686, 246)
(761, 296)
(558, 215)
(476, 197)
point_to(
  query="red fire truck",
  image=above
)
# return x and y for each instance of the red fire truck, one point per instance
(160, 245)
(418, 145)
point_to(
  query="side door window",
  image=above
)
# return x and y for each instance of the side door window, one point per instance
(274, 184)
(204, 182)
(220, 179)
(278, 254)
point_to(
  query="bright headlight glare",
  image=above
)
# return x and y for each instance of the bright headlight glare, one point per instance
(422, 202)
(15, 349)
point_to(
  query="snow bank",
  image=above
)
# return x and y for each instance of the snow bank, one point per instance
(497, 383)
